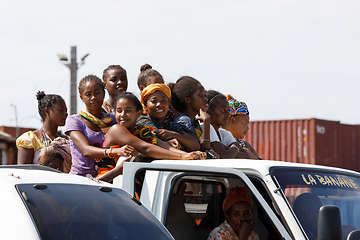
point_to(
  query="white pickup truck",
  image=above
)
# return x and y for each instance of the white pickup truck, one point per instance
(187, 196)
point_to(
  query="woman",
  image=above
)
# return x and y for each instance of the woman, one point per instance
(148, 76)
(87, 130)
(156, 100)
(188, 98)
(128, 108)
(115, 82)
(237, 211)
(221, 140)
(238, 124)
(31, 145)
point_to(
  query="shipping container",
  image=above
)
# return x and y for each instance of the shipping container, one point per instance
(312, 141)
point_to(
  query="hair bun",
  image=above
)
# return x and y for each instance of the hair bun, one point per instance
(229, 97)
(145, 67)
(40, 95)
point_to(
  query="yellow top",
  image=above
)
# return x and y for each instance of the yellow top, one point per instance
(29, 140)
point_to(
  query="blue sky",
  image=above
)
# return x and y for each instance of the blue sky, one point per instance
(285, 59)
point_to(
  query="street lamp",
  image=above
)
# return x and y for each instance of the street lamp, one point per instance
(73, 66)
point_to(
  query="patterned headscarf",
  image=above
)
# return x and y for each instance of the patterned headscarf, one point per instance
(236, 107)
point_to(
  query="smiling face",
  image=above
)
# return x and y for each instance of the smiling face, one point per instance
(58, 113)
(92, 95)
(157, 105)
(126, 113)
(116, 81)
(236, 213)
(219, 115)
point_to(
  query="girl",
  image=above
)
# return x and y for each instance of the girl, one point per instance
(148, 76)
(87, 129)
(31, 145)
(115, 82)
(156, 100)
(188, 98)
(128, 109)
(221, 140)
(238, 124)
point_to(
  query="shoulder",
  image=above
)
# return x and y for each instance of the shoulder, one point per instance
(28, 140)
(253, 236)
(74, 122)
(226, 137)
(182, 117)
(183, 120)
(144, 120)
(218, 233)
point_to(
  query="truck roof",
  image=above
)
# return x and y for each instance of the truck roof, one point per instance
(262, 166)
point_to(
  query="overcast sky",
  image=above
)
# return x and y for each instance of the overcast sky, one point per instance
(285, 59)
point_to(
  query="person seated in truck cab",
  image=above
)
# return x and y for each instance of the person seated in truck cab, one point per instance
(306, 207)
(237, 211)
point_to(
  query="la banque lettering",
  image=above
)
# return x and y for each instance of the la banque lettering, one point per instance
(328, 180)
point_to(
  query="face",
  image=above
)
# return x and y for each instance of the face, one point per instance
(157, 105)
(116, 81)
(58, 113)
(240, 123)
(220, 114)
(237, 212)
(93, 96)
(57, 164)
(198, 99)
(126, 113)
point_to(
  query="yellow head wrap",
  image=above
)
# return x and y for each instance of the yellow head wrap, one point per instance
(153, 88)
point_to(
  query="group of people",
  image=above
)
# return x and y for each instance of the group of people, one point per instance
(180, 121)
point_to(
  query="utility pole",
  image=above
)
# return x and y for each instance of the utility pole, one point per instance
(16, 120)
(73, 66)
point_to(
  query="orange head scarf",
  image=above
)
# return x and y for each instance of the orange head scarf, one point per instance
(153, 88)
(237, 194)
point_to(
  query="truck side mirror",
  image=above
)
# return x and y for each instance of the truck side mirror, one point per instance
(354, 235)
(329, 223)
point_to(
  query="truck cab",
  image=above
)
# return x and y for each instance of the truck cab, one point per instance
(187, 196)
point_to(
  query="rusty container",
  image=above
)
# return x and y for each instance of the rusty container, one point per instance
(312, 141)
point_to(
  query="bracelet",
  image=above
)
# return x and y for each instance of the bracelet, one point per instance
(208, 140)
(105, 152)
(110, 153)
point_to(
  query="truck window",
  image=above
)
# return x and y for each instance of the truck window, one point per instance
(307, 191)
(195, 208)
(74, 211)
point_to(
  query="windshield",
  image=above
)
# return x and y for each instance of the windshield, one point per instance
(72, 211)
(306, 192)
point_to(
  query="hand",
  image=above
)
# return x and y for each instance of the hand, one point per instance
(203, 116)
(174, 143)
(163, 134)
(213, 153)
(196, 155)
(246, 227)
(126, 150)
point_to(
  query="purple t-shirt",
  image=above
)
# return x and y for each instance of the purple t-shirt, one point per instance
(80, 164)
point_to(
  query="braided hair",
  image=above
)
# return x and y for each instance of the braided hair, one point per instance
(110, 67)
(90, 78)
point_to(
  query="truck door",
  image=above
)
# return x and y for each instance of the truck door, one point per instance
(188, 199)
